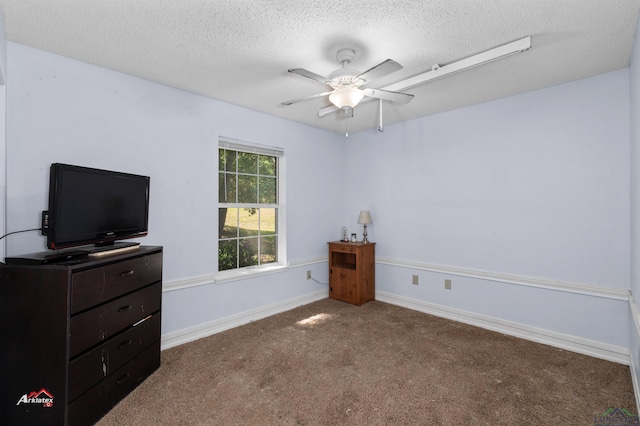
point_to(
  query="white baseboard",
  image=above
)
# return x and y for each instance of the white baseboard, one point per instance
(203, 330)
(592, 348)
(600, 350)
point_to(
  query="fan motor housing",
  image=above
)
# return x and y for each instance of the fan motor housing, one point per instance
(345, 76)
(345, 56)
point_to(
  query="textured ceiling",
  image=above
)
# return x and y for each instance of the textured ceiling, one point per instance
(238, 51)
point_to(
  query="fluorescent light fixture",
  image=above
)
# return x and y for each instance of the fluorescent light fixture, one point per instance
(440, 71)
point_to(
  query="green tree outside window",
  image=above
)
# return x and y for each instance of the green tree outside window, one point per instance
(248, 212)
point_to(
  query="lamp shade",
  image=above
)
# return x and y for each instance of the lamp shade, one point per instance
(346, 97)
(364, 218)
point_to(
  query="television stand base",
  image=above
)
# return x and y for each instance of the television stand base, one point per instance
(48, 257)
(105, 251)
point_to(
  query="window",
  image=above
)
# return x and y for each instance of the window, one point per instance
(248, 180)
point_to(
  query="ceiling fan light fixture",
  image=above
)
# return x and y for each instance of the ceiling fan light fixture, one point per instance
(346, 97)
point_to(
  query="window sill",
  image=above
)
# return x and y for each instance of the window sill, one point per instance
(237, 275)
(251, 272)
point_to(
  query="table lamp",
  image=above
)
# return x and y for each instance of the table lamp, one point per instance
(364, 219)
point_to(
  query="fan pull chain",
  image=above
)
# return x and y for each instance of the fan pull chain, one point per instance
(380, 126)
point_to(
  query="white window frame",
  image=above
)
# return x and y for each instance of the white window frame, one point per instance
(239, 273)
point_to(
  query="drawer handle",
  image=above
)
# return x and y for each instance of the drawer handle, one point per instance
(142, 320)
(125, 344)
(124, 308)
(123, 379)
(131, 272)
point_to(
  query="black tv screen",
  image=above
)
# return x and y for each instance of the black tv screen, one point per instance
(93, 206)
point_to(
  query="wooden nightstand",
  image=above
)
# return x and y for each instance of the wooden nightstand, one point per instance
(352, 272)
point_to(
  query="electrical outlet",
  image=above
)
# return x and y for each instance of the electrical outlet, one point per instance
(414, 280)
(308, 275)
(447, 284)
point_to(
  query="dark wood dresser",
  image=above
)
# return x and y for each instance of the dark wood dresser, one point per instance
(77, 337)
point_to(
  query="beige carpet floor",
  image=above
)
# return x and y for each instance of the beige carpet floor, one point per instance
(331, 363)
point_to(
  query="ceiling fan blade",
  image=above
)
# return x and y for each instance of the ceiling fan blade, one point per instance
(327, 110)
(319, 95)
(401, 98)
(309, 74)
(380, 70)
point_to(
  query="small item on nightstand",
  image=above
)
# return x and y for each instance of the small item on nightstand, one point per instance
(344, 236)
(354, 238)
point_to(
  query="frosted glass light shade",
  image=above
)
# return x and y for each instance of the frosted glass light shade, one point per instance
(346, 97)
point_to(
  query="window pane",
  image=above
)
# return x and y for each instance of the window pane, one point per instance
(248, 252)
(268, 250)
(268, 190)
(247, 189)
(247, 229)
(267, 221)
(249, 222)
(227, 187)
(247, 163)
(226, 160)
(227, 255)
(267, 165)
(229, 217)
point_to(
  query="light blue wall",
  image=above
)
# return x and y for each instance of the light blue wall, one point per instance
(60, 110)
(634, 318)
(534, 186)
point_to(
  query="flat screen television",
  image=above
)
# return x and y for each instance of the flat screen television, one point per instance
(93, 206)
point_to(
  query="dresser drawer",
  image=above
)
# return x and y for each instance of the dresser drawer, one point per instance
(129, 376)
(94, 286)
(98, 324)
(92, 367)
(343, 248)
(136, 340)
(95, 403)
(90, 407)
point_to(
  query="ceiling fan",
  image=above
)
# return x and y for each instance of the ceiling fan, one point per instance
(348, 84)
